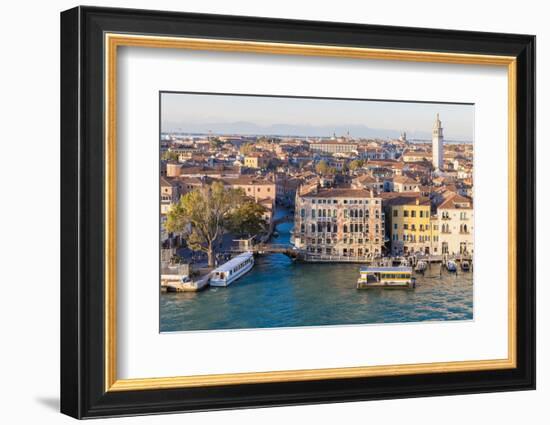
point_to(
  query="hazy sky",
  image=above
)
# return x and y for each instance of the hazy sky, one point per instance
(234, 114)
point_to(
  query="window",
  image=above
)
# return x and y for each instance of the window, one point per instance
(395, 226)
(303, 213)
(313, 228)
(406, 226)
(395, 213)
(413, 213)
(312, 213)
(405, 213)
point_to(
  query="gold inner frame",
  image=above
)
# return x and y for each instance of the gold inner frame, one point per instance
(113, 41)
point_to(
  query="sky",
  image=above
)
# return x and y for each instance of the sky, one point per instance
(230, 114)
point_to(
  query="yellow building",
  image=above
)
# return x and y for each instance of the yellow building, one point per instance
(255, 161)
(411, 228)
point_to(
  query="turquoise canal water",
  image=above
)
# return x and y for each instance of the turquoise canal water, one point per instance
(278, 292)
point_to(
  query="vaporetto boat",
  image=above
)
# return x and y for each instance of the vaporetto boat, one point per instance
(228, 272)
(386, 277)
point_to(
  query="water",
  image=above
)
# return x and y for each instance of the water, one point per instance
(278, 292)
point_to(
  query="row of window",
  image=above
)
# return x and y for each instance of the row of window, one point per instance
(333, 228)
(412, 238)
(348, 213)
(350, 241)
(351, 252)
(446, 229)
(240, 266)
(421, 227)
(346, 201)
(412, 213)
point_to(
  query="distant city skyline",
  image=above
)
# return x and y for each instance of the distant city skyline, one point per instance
(313, 117)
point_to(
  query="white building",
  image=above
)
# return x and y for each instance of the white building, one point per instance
(456, 225)
(437, 145)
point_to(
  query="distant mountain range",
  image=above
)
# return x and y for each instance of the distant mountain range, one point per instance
(248, 128)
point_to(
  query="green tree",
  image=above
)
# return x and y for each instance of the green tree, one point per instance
(247, 148)
(170, 156)
(203, 215)
(215, 143)
(247, 219)
(355, 164)
(322, 167)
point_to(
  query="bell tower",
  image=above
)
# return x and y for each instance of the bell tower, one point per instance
(437, 144)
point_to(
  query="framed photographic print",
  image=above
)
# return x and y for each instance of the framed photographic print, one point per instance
(261, 212)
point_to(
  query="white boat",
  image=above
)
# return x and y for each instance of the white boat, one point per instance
(386, 277)
(228, 272)
(451, 266)
(421, 266)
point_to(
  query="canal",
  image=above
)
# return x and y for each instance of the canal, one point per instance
(278, 292)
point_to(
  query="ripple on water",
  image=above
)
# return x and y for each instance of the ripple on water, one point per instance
(281, 293)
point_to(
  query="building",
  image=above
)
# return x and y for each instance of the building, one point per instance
(416, 156)
(339, 222)
(368, 182)
(410, 226)
(456, 225)
(255, 160)
(437, 145)
(170, 192)
(405, 184)
(333, 146)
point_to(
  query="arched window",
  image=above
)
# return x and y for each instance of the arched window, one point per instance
(345, 228)
(361, 213)
(313, 227)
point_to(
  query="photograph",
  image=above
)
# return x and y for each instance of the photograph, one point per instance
(286, 211)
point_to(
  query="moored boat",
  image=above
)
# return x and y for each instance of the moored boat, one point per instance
(386, 277)
(451, 266)
(421, 266)
(465, 266)
(228, 272)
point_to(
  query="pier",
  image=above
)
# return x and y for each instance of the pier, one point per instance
(177, 279)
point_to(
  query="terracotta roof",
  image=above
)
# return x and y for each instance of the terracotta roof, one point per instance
(166, 181)
(407, 200)
(365, 178)
(456, 201)
(340, 193)
(404, 180)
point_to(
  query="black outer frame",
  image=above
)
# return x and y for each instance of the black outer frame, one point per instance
(82, 212)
